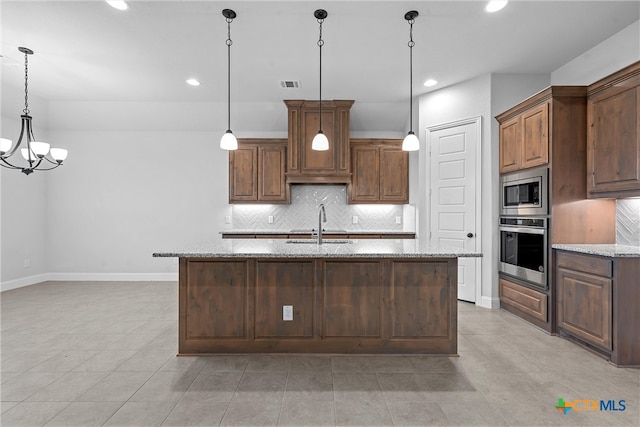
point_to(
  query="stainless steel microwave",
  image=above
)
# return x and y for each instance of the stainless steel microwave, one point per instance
(525, 193)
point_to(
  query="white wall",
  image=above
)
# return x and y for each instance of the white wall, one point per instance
(24, 201)
(611, 55)
(485, 96)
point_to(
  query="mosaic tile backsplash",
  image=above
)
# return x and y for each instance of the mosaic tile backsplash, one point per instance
(628, 222)
(302, 213)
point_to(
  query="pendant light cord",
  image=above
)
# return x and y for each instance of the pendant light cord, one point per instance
(320, 44)
(411, 44)
(229, 43)
(26, 85)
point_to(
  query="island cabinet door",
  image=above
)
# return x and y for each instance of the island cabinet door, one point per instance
(284, 300)
(207, 290)
(352, 299)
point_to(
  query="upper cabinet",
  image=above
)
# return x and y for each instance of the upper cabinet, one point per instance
(380, 172)
(309, 166)
(524, 139)
(613, 111)
(257, 172)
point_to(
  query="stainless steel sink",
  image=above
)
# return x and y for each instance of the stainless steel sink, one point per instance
(315, 242)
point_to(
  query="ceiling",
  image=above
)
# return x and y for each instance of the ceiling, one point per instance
(88, 51)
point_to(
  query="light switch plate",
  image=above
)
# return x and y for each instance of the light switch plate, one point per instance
(287, 312)
(227, 219)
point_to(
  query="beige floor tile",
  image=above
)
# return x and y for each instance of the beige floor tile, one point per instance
(471, 413)
(26, 384)
(269, 363)
(310, 363)
(225, 364)
(147, 360)
(105, 361)
(357, 386)
(32, 413)
(116, 387)
(309, 386)
(417, 414)
(435, 364)
(363, 413)
(4, 406)
(68, 387)
(298, 413)
(196, 413)
(85, 414)
(141, 414)
(164, 386)
(214, 387)
(261, 387)
(256, 414)
(400, 387)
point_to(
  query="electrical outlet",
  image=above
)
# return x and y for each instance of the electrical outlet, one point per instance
(398, 220)
(354, 219)
(270, 219)
(287, 312)
(27, 264)
(227, 219)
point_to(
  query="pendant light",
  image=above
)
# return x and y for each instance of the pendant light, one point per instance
(411, 141)
(320, 141)
(228, 140)
(34, 151)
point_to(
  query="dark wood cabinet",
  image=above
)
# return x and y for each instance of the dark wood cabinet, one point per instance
(597, 303)
(257, 172)
(530, 304)
(339, 305)
(380, 172)
(614, 135)
(305, 165)
(524, 139)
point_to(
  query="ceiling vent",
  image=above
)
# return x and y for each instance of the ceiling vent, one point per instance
(290, 84)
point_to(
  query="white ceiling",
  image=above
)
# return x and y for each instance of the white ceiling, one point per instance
(88, 51)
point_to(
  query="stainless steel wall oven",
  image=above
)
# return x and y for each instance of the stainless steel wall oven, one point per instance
(524, 249)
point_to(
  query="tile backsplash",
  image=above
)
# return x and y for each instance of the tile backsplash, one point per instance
(302, 213)
(628, 222)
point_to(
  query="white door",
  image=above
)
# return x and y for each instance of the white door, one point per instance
(454, 196)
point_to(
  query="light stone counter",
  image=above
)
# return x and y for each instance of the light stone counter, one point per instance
(608, 250)
(356, 248)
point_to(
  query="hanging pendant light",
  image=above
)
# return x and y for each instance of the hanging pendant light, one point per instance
(34, 152)
(320, 141)
(411, 141)
(228, 140)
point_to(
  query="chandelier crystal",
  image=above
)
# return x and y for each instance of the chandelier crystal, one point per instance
(34, 152)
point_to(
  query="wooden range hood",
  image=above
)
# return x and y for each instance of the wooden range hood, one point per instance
(306, 166)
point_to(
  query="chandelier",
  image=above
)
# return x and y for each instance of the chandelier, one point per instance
(34, 152)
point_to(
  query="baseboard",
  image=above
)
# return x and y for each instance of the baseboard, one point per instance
(22, 282)
(89, 277)
(490, 302)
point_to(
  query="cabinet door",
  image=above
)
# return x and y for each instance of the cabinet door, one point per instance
(394, 175)
(271, 170)
(614, 143)
(535, 137)
(312, 161)
(243, 174)
(584, 306)
(510, 145)
(365, 185)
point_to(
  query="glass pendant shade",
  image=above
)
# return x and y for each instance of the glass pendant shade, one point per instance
(25, 154)
(5, 145)
(59, 154)
(228, 141)
(410, 142)
(320, 142)
(40, 148)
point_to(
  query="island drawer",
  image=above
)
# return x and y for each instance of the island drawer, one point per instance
(585, 263)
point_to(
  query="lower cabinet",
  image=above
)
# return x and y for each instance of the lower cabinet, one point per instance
(530, 304)
(353, 305)
(597, 304)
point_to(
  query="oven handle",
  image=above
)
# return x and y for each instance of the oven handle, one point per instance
(524, 230)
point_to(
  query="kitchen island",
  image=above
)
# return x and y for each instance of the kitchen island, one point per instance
(344, 296)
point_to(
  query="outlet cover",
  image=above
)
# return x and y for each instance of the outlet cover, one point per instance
(354, 219)
(270, 219)
(398, 220)
(287, 312)
(227, 219)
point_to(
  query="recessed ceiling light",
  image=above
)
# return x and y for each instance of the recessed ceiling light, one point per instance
(193, 82)
(118, 4)
(495, 5)
(430, 83)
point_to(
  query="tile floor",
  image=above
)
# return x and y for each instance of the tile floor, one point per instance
(103, 353)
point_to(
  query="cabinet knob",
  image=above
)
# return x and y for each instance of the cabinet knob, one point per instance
(469, 235)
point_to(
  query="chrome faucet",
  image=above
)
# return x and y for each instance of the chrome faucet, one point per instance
(322, 217)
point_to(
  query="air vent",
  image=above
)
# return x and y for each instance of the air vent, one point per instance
(290, 84)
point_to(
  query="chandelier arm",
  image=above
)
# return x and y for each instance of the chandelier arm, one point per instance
(53, 162)
(8, 165)
(35, 168)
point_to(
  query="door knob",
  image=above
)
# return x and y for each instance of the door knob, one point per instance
(469, 235)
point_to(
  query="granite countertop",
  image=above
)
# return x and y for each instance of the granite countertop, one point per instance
(609, 250)
(309, 231)
(268, 248)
